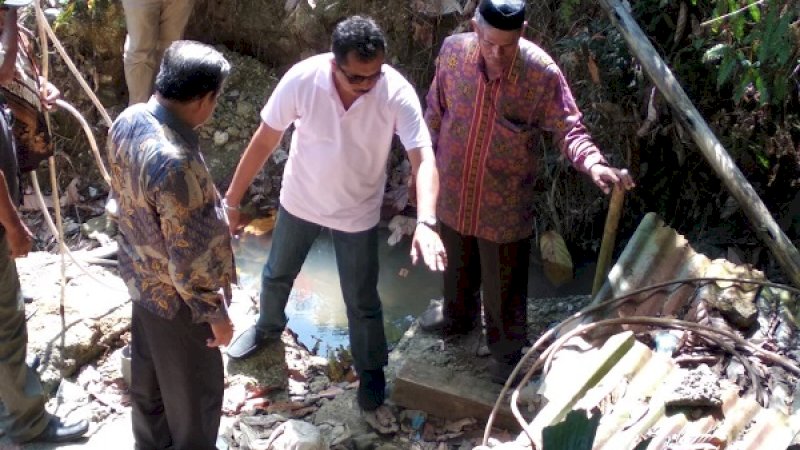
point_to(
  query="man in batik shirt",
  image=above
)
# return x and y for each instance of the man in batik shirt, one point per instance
(493, 94)
(175, 253)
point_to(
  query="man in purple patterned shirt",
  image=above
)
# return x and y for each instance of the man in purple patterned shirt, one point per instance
(493, 95)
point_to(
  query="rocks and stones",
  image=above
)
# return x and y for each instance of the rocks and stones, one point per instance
(96, 314)
(737, 303)
(296, 435)
(266, 368)
(226, 135)
(699, 388)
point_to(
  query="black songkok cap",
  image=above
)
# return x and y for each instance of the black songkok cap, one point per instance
(505, 15)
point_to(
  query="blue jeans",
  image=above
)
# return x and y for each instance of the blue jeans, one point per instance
(357, 261)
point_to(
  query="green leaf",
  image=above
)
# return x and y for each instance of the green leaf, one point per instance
(782, 39)
(717, 12)
(755, 12)
(763, 160)
(716, 53)
(780, 90)
(725, 70)
(738, 27)
(769, 35)
(761, 88)
(744, 83)
(575, 432)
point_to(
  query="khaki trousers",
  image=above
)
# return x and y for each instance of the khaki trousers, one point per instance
(152, 26)
(22, 413)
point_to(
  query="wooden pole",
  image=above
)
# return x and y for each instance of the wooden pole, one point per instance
(609, 238)
(763, 223)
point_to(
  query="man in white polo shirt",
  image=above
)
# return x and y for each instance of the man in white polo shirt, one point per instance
(345, 106)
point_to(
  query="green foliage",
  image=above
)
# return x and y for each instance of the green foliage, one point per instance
(75, 9)
(756, 54)
(576, 432)
(567, 9)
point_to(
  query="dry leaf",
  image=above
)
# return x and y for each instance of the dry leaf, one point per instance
(261, 226)
(556, 258)
(71, 196)
(593, 70)
(459, 425)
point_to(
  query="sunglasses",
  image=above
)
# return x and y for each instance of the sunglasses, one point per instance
(359, 79)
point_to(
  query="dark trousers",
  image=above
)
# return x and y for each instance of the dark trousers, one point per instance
(176, 382)
(22, 413)
(502, 271)
(357, 261)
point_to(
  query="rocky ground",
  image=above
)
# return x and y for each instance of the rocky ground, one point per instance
(79, 353)
(79, 358)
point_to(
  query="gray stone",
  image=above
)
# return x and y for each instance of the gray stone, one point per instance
(388, 447)
(736, 303)
(699, 387)
(220, 138)
(267, 367)
(236, 117)
(319, 383)
(296, 435)
(366, 441)
(96, 314)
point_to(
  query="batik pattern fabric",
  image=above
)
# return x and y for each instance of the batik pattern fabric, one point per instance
(489, 136)
(173, 234)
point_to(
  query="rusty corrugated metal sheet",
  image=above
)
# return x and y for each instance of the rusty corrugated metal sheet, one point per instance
(655, 254)
(629, 383)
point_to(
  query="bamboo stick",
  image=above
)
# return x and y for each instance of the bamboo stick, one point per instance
(609, 238)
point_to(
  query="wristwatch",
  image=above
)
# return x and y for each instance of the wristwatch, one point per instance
(428, 221)
(228, 207)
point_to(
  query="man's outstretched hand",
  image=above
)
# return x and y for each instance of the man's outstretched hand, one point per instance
(427, 243)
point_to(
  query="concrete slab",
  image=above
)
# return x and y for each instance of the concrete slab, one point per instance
(449, 395)
(445, 377)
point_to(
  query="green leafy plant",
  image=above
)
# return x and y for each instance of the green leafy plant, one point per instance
(756, 53)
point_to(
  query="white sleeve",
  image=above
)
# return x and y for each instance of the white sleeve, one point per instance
(410, 125)
(281, 108)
